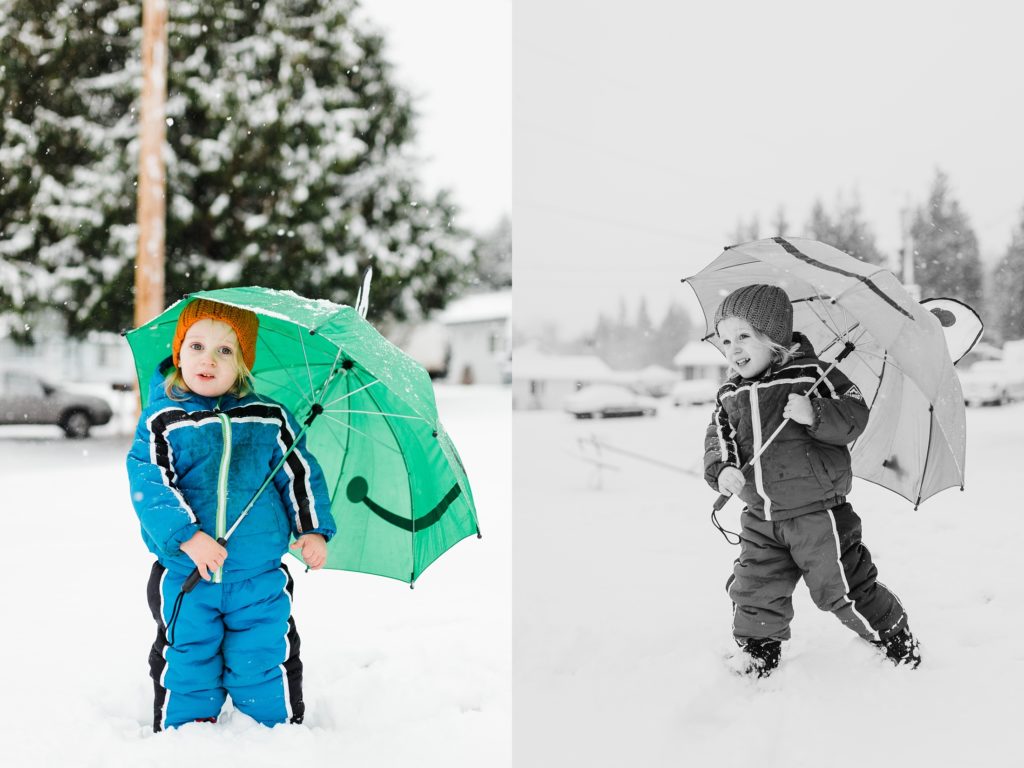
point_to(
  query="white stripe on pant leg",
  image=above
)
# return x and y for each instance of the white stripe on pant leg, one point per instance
(163, 675)
(842, 575)
(728, 591)
(287, 654)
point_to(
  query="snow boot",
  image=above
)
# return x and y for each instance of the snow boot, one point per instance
(762, 655)
(901, 648)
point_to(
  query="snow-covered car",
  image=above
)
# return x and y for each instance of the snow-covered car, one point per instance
(695, 391)
(608, 400)
(992, 381)
(27, 399)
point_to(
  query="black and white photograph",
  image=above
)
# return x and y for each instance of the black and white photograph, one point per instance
(817, 175)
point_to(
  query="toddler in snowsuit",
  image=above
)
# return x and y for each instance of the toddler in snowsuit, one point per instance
(796, 521)
(203, 447)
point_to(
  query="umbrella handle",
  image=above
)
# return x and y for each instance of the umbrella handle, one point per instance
(194, 577)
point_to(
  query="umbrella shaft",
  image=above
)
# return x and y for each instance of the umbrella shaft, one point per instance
(778, 429)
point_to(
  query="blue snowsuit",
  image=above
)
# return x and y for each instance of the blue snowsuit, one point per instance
(194, 465)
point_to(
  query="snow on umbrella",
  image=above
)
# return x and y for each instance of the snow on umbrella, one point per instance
(399, 493)
(915, 441)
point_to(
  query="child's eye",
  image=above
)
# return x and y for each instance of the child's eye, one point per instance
(195, 346)
(726, 342)
(226, 351)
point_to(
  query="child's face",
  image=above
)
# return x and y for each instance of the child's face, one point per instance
(208, 357)
(743, 347)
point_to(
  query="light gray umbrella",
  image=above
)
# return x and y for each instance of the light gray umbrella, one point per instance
(915, 441)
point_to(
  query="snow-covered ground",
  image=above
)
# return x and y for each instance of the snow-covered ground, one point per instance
(393, 676)
(621, 622)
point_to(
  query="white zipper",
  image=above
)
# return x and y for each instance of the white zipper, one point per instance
(222, 486)
(755, 418)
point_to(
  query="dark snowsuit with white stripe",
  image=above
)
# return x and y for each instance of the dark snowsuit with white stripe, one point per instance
(234, 634)
(796, 521)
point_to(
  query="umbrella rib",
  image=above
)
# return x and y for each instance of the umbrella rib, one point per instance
(305, 357)
(863, 359)
(298, 387)
(349, 394)
(827, 322)
(888, 360)
(379, 413)
(408, 480)
(831, 324)
(327, 382)
(360, 432)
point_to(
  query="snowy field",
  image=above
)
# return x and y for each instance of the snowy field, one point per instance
(393, 676)
(621, 622)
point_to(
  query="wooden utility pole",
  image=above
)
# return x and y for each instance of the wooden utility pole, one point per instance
(151, 210)
(908, 254)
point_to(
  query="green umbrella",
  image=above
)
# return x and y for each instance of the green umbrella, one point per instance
(399, 492)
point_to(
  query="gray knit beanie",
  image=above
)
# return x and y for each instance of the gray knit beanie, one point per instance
(766, 307)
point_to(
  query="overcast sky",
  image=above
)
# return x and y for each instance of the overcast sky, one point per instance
(455, 57)
(643, 132)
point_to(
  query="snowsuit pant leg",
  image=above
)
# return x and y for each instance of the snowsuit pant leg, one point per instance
(839, 572)
(263, 673)
(187, 677)
(761, 586)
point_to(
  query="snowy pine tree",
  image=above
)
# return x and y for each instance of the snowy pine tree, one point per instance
(846, 231)
(745, 231)
(287, 159)
(1007, 317)
(68, 74)
(946, 259)
(494, 257)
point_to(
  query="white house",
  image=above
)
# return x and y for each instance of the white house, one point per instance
(542, 381)
(99, 358)
(479, 338)
(701, 360)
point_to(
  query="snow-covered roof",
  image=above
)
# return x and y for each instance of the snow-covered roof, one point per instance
(528, 363)
(699, 353)
(478, 307)
(654, 374)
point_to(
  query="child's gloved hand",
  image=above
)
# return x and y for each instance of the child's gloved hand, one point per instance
(731, 481)
(799, 409)
(205, 552)
(313, 548)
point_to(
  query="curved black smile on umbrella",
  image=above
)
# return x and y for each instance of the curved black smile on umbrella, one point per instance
(357, 492)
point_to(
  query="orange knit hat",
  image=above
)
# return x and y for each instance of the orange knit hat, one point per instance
(244, 323)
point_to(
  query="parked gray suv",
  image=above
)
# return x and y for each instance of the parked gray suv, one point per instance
(27, 399)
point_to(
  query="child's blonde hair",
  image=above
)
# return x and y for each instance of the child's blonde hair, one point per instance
(177, 389)
(779, 354)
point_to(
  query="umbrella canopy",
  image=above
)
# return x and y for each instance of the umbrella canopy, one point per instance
(915, 441)
(399, 493)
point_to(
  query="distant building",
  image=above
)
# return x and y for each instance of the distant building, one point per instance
(479, 341)
(701, 360)
(426, 343)
(542, 382)
(99, 358)
(654, 380)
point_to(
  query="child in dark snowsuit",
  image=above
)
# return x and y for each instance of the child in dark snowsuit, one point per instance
(797, 521)
(202, 448)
